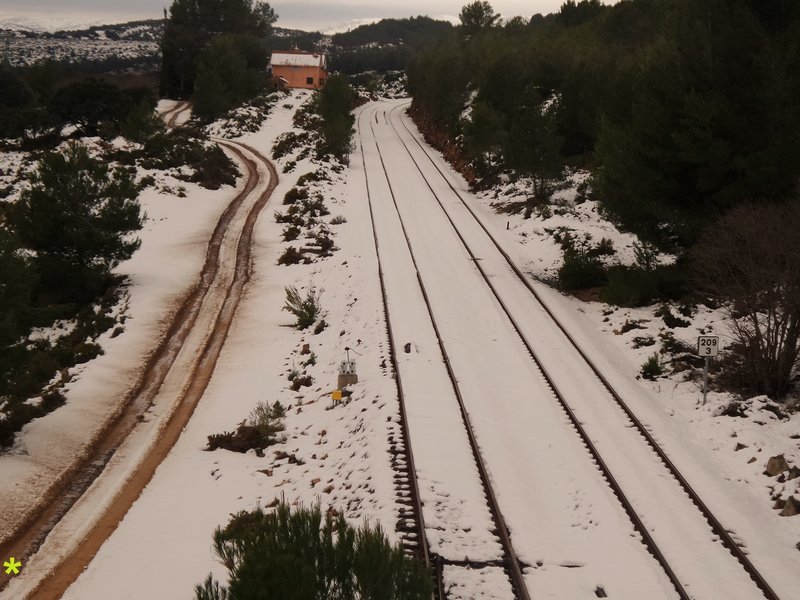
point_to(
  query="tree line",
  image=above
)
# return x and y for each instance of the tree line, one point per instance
(687, 115)
(681, 108)
(40, 100)
(215, 52)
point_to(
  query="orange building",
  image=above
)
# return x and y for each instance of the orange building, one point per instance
(298, 69)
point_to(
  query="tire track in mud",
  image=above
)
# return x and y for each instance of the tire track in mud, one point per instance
(195, 306)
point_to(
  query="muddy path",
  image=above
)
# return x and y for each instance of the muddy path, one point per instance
(170, 116)
(183, 362)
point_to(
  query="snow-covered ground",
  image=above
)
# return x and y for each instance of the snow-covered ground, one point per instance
(338, 455)
(723, 457)
(27, 51)
(174, 241)
(742, 445)
(30, 40)
(335, 455)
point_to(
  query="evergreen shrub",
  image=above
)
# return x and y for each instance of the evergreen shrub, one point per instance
(297, 554)
(579, 272)
(652, 368)
(291, 256)
(306, 309)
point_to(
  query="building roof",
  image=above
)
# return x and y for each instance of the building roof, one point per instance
(297, 58)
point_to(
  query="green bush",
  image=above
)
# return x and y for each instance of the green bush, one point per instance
(629, 286)
(670, 320)
(290, 233)
(296, 554)
(304, 380)
(671, 345)
(259, 431)
(633, 286)
(652, 368)
(295, 194)
(288, 142)
(318, 175)
(186, 146)
(605, 247)
(291, 256)
(580, 272)
(674, 281)
(313, 207)
(306, 309)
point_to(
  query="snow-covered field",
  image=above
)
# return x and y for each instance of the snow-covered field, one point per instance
(174, 239)
(27, 51)
(337, 455)
(28, 41)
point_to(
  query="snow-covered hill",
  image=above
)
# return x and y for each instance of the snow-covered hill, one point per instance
(29, 41)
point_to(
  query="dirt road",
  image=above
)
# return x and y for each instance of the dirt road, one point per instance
(175, 377)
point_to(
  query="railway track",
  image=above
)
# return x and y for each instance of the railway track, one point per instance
(716, 527)
(411, 526)
(190, 347)
(510, 563)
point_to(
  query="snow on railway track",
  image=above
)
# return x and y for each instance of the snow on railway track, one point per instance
(460, 523)
(662, 502)
(483, 363)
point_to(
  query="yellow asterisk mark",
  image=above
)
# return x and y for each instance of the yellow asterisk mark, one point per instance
(12, 566)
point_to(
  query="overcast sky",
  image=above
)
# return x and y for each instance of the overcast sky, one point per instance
(303, 14)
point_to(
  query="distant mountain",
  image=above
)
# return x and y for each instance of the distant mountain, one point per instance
(349, 26)
(385, 45)
(415, 32)
(131, 46)
(43, 24)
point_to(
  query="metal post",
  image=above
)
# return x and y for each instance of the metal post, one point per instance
(705, 380)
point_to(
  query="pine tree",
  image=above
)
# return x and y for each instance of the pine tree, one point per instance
(477, 16)
(191, 26)
(533, 145)
(77, 218)
(334, 104)
(16, 286)
(230, 71)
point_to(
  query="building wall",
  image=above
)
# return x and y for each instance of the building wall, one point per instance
(298, 76)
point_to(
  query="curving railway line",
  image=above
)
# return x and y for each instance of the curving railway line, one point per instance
(700, 558)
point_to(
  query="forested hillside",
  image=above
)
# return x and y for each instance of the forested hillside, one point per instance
(388, 45)
(682, 109)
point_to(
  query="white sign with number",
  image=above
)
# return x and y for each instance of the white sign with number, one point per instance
(708, 345)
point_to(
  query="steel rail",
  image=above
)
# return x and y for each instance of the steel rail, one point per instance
(512, 562)
(717, 528)
(422, 550)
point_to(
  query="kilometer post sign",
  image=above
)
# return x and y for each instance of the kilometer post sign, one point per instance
(708, 345)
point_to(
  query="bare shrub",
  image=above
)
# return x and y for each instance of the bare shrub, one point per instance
(750, 259)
